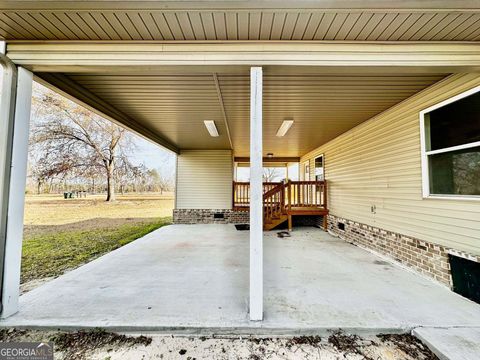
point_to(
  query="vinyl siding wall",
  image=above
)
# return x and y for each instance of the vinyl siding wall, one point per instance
(204, 179)
(378, 164)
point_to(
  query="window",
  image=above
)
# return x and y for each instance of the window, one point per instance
(319, 173)
(450, 134)
(306, 171)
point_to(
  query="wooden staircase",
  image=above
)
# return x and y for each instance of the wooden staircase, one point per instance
(274, 210)
(274, 222)
(283, 200)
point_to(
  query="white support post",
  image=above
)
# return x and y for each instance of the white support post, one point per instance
(256, 195)
(7, 110)
(16, 196)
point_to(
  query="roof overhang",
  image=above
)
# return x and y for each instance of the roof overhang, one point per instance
(338, 20)
(163, 67)
(165, 90)
(152, 57)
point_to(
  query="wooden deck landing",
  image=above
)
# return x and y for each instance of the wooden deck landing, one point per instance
(283, 201)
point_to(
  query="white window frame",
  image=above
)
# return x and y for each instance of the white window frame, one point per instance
(315, 167)
(424, 153)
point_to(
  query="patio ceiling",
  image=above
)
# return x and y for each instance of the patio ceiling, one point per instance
(375, 20)
(157, 66)
(322, 105)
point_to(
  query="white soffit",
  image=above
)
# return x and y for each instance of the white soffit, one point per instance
(431, 20)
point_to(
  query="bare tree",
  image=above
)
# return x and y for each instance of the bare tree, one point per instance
(158, 182)
(167, 183)
(125, 173)
(270, 174)
(74, 133)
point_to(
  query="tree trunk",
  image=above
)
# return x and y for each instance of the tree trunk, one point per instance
(110, 181)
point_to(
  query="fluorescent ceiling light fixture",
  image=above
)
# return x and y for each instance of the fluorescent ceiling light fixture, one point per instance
(211, 127)
(286, 125)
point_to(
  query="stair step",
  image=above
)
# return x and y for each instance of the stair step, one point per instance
(274, 222)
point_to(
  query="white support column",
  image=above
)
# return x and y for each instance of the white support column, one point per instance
(16, 196)
(256, 195)
(7, 110)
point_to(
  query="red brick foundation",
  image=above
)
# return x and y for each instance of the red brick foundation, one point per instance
(424, 257)
(207, 216)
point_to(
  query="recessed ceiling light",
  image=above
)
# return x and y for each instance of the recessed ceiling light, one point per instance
(211, 127)
(286, 125)
(270, 155)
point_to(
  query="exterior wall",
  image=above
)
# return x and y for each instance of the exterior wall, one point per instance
(377, 164)
(204, 179)
(207, 216)
(426, 258)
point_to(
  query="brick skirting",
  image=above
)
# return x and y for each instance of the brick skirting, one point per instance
(209, 216)
(424, 257)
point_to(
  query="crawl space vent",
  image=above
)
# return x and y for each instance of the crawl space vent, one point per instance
(465, 277)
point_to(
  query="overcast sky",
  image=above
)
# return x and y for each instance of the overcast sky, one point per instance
(153, 156)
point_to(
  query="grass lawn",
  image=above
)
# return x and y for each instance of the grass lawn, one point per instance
(54, 210)
(63, 234)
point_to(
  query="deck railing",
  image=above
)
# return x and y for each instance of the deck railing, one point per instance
(290, 194)
(241, 193)
(274, 203)
(307, 194)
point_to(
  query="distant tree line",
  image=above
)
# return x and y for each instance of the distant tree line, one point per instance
(73, 149)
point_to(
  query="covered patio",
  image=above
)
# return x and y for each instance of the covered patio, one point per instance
(356, 89)
(194, 278)
(200, 111)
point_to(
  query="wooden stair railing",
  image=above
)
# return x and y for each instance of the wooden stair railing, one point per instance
(241, 193)
(283, 200)
(274, 211)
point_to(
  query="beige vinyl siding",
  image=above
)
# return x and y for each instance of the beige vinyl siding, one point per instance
(204, 179)
(378, 164)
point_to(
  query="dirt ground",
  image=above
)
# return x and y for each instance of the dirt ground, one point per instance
(102, 345)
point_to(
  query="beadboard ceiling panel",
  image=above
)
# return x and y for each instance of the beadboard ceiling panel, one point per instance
(322, 106)
(241, 24)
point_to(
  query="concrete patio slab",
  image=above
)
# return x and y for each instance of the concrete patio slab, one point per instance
(451, 343)
(194, 277)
